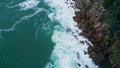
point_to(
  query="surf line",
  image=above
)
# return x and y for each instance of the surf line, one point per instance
(85, 42)
(70, 50)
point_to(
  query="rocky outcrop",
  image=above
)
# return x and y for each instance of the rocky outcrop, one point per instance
(82, 3)
(89, 21)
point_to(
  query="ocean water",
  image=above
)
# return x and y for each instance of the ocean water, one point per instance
(41, 34)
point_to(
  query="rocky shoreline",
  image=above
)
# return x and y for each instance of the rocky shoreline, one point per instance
(89, 20)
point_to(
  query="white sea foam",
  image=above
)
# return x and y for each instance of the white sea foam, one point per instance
(28, 4)
(68, 51)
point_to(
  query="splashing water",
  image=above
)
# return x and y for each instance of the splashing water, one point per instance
(68, 51)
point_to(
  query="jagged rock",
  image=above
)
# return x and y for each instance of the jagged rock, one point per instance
(112, 62)
(91, 20)
(77, 19)
(83, 33)
(78, 13)
(96, 25)
(97, 30)
(80, 25)
(106, 44)
(106, 38)
(88, 14)
(108, 50)
(83, 42)
(105, 26)
(90, 49)
(113, 47)
(97, 40)
(97, 49)
(98, 58)
(89, 34)
(98, 36)
(82, 3)
(84, 29)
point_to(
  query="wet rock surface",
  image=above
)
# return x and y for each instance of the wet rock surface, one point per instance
(89, 21)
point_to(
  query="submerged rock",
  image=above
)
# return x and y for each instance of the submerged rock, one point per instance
(68, 30)
(78, 64)
(86, 66)
(78, 55)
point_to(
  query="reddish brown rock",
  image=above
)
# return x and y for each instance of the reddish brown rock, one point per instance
(98, 33)
(80, 25)
(91, 20)
(88, 14)
(96, 25)
(98, 36)
(76, 19)
(84, 29)
(97, 49)
(98, 58)
(78, 14)
(90, 49)
(97, 40)
(97, 30)
(82, 3)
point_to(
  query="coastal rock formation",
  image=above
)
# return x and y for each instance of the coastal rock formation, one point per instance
(89, 21)
(82, 3)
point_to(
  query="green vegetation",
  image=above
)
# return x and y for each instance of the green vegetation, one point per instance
(112, 15)
(113, 9)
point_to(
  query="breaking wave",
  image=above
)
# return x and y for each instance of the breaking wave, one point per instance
(68, 51)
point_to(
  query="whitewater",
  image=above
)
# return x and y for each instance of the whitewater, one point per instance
(68, 51)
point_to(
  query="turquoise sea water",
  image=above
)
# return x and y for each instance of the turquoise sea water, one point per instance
(25, 35)
(41, 34)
